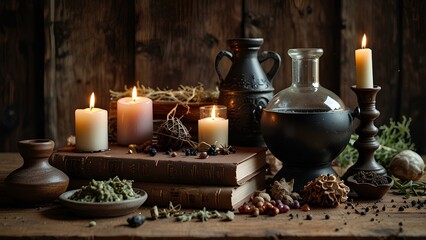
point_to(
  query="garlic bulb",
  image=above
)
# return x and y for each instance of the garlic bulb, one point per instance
(407, 165)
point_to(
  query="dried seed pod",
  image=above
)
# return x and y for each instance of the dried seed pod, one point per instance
(265, 196)
(259, 204)
(154, 212)
(295, 196)
(255, 212)
(281, 188)
(203, 155)
(326, 191)
(258, 199)
(305, 208)
(273, 211)
(287, 200)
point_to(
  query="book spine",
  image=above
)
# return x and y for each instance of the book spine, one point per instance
(188, 197)
(101, 168)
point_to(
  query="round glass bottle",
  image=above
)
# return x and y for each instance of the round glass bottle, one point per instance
(305, 125)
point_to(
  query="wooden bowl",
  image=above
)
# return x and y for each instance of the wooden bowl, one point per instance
(368, 190)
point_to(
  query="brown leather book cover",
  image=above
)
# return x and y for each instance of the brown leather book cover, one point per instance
(230, 170)
(195, 196)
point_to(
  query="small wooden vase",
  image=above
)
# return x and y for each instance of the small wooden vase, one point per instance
(36, 182)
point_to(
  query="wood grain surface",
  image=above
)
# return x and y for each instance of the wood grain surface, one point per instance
(57, 222)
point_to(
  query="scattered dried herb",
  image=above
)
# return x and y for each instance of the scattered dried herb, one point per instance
(409, 188)
(171, 211)
(229, 216)
(202, 215)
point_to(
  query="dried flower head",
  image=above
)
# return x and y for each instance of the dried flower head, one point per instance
(326, 191)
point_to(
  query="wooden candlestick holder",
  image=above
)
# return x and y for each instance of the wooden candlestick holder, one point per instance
(366, 144)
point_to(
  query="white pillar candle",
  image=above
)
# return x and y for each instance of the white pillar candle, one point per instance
(364, 66)
(134, 119)
(91, 128)
(213, 129)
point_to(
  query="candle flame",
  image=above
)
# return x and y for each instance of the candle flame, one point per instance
(364, 41)
(134, 94)
(213, 112)
(92, 101)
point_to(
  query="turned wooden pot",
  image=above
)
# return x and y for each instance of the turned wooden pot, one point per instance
(36, 182)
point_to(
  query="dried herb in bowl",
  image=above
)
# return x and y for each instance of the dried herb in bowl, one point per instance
(112, 190)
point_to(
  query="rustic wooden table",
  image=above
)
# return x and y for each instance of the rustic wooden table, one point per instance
(55, 222)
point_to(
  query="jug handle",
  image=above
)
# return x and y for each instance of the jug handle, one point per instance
(277, 62)
(356, 112)
(219, 57)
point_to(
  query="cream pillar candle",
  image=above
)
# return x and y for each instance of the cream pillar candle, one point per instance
(364, 66)
(134, 119)
(213, 129)
(91, 128)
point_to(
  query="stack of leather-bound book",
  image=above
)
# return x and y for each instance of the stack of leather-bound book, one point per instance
(217, 182)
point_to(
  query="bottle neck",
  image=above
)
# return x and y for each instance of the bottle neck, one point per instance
(305, 72)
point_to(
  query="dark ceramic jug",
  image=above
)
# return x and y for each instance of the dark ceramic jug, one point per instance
(246, 89)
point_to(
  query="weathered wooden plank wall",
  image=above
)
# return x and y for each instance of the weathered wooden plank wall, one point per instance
(21, 92)
(181, 39)
(412, 97)
(297, 24)
(100, 45)
(89, 48)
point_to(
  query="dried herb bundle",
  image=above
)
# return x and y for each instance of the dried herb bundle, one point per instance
(182, 95)
(173, 134)
(393, 138)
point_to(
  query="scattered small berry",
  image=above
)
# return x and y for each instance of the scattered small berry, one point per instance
(152, 151)
(327, 216)
(136, 221)
(309, 216)
(203, 155)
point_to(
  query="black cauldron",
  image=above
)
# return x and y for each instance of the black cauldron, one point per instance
(306, 141)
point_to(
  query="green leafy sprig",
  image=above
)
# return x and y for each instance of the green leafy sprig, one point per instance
(409, 188)
(393, 138)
